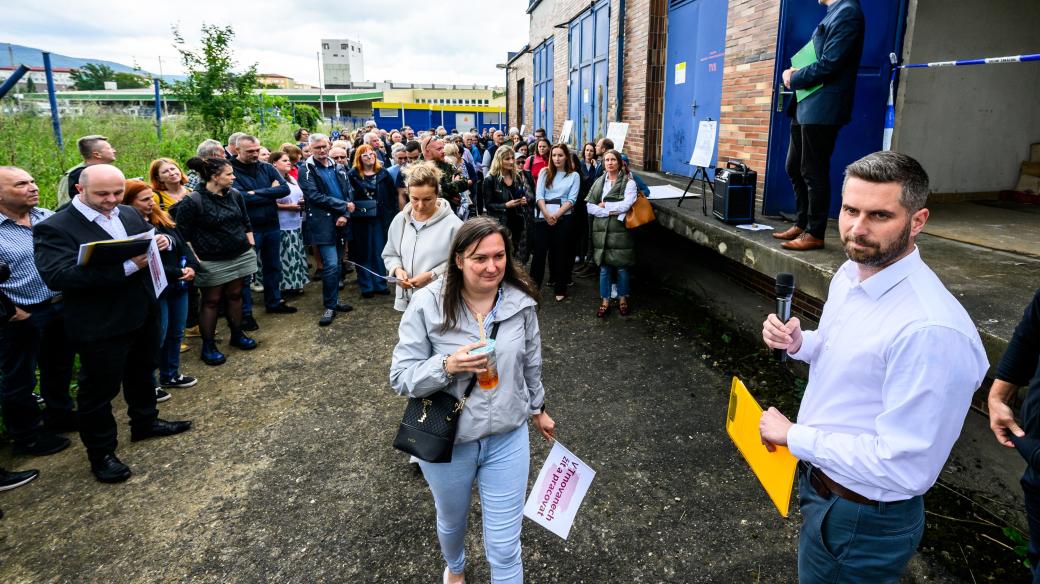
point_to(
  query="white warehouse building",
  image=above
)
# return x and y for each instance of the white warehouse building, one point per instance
(343, 62)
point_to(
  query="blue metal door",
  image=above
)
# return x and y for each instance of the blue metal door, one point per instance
(693, 88)
(588, 41)
(543, 87)
(884, 34)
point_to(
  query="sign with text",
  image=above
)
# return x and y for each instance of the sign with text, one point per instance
(565, 133)
(561, 486)
(704, 149)
(617, 131)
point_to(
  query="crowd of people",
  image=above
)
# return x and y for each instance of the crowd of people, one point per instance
(239, 219)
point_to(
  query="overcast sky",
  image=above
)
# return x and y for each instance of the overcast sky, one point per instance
(417, 41)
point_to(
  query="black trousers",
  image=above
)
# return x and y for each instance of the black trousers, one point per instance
(127, 360)
(809, 167)
(36, 341)
(554, 240)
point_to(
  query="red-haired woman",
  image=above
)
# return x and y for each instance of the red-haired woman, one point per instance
(167, 182)
(375, 205)
(179, 263)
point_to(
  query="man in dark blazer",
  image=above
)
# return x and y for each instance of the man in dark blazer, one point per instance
(815, 122)
(111, 316)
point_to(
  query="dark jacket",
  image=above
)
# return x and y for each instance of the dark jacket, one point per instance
(323, 209)
(258, 178)
(497, 194)
(385, 194)
(451, 189)
(838, 41)
(171, 258)
(101, 301)
(216, 225)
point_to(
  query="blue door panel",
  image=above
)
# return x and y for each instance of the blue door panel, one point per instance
(589, 85)
(884, 33)
(696, 38)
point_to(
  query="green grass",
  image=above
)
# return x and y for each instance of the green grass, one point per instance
(30, 145)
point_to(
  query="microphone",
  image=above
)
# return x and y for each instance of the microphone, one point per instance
(784, 293)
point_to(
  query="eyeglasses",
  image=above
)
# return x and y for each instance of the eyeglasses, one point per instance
(339, 157)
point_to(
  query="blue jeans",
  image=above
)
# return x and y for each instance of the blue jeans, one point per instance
(846, 542)
(330, 259)
(269, 249)
(173, 313)
(607, 277)
(499, 464)
(37, 340)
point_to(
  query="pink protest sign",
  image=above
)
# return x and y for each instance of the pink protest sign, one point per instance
(559, 491)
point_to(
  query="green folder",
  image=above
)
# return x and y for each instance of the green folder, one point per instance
(803, 58)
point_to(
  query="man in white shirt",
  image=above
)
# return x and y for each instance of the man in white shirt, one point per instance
(894, 364)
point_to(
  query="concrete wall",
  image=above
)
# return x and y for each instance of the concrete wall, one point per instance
(969, 126)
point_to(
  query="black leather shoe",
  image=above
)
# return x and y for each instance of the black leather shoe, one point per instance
(343, 307)
(282, 308)
(13, 480)
(109, 469)
(249, 323)
(159, 428)
(45, 444)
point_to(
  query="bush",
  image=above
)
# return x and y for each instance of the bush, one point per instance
(31, 143)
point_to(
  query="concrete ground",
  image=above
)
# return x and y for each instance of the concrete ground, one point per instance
(289, 474)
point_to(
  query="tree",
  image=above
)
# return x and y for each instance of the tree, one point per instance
(130, 81)
(306, 116)
(217, 99)
(92, 76)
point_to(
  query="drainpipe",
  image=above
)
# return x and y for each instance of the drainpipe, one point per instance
(13, 80)
(620, 59)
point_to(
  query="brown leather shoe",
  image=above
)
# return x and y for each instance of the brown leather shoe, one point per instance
(790, 234)
(805, 242)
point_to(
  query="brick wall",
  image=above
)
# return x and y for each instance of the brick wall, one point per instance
(643, 86)
(747, 82)
(521, 69)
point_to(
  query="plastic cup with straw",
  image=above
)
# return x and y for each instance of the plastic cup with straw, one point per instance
(488, 379)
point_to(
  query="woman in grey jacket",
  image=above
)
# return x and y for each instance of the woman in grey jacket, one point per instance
(437, 333)
(419, 239)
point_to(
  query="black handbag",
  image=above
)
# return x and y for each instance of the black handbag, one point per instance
(365, 208)
(428, 428)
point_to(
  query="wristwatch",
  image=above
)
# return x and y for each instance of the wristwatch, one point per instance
(433, 278)
(444, 366)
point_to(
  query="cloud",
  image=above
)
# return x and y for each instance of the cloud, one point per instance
(415, 41)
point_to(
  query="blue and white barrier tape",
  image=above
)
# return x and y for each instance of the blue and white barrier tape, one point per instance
(989, 61)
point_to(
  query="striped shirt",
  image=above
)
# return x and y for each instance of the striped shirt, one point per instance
(25, 286)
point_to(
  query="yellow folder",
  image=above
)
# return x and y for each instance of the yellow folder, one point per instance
(775, 470)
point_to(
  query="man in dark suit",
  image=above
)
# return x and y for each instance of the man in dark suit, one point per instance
(815, 122)
(111, 316)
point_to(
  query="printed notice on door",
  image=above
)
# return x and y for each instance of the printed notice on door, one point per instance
(680, 73)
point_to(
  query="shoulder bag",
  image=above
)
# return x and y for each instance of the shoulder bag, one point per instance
(428, 428)
(641, 213)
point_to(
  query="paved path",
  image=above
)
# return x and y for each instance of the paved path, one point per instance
(289, 476)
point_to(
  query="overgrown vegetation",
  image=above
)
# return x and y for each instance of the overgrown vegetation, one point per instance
(30, 143)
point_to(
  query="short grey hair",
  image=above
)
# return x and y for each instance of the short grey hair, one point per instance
(87, 144)
(246, 138)
(397, 148)
(209, 147)
(893, 167)
(233, 139)
(370, 137)
(318, 138)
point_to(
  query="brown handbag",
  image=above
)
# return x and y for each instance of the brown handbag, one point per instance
(641, 213)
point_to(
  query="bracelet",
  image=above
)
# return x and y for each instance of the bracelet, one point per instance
(444, 367)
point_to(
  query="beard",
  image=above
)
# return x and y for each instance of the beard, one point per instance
(876, 255)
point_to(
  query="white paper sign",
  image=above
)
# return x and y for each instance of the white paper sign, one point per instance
(680, 73)
(522, 129)
(561, 486)
(566, 131)
(155, 267)
(617, 131)
(704, 149)
(659, 192)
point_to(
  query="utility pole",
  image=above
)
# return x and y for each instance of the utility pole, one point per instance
(321, 88)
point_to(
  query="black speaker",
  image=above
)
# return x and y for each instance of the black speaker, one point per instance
(734, 200)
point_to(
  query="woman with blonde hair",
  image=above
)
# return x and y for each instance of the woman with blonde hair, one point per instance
(417, 247)
(508, 194)
(180, 264)
(167, 182)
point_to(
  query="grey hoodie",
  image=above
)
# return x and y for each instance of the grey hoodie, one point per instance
(403, 249)
(416, 369)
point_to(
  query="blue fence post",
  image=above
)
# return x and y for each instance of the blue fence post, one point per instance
(55, 120)
(158, 111)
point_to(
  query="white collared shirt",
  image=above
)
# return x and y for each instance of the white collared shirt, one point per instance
(894, 365)
(111, 224)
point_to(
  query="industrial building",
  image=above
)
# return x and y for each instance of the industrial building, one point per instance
(665, 66)
(342, 62)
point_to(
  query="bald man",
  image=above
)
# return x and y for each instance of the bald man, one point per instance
(112, 318)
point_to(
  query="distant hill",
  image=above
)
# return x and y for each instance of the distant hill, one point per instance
(33, 57)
